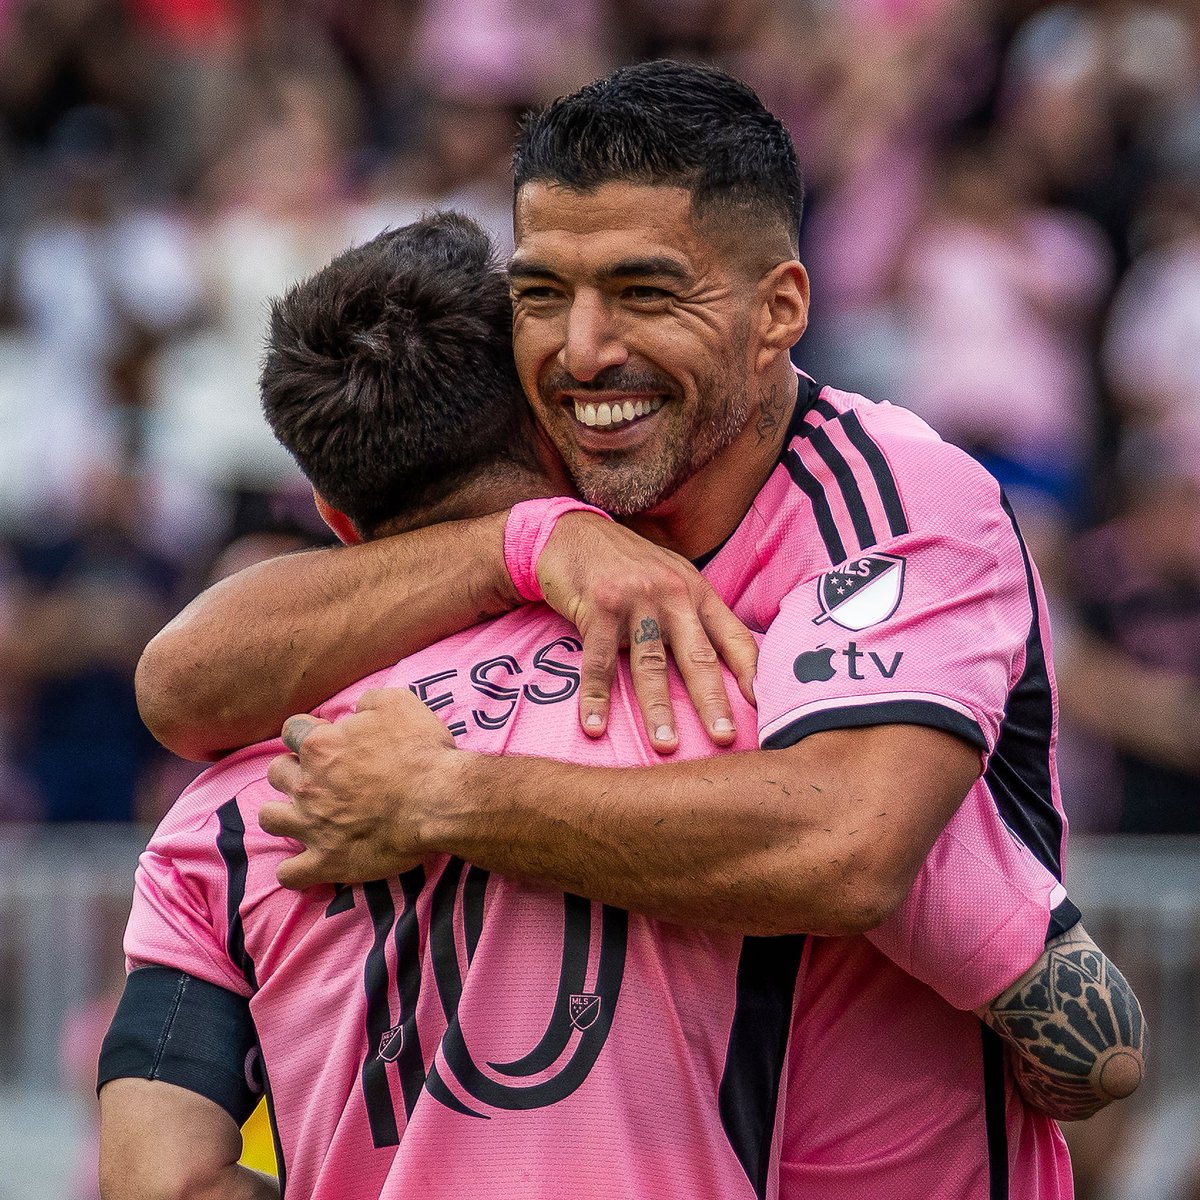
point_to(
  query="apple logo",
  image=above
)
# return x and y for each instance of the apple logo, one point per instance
(814, 666)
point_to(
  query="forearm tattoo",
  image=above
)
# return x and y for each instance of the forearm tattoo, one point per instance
(1075, 1027)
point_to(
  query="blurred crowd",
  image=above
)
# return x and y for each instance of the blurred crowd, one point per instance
(1003, 233)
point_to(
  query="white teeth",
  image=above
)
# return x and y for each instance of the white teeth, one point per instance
(605, 415)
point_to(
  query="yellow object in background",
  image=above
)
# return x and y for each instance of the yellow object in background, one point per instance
(258, 1146)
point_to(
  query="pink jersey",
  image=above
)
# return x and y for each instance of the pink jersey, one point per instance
(452, 1030)
(892, 585)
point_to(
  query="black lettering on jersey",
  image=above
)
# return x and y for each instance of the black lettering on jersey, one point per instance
(480, 679)
(546, 660)
(422, 687)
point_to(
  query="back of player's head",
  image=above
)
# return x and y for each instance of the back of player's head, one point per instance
(389, 373)
(668, 123)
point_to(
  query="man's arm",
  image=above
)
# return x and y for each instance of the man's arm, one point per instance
(162, 1142)
(1074, 1027)
(282, 636)
(825, 836)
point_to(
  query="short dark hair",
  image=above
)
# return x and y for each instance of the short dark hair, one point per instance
(389, 373)
(669, 123)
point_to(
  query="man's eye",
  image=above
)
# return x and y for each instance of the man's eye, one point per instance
(643, 292)
(535, 293)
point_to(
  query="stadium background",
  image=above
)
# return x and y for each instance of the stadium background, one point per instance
(1003, 232)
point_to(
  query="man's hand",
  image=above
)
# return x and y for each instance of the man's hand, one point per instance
(619, 590)
(344, 780)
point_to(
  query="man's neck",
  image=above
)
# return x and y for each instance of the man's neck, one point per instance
(701, 514)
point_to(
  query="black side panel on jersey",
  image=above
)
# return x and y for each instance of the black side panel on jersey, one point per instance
(749, 1092)
(231, 845)
(1018, 772)
(994, 1113)
(173, 1027)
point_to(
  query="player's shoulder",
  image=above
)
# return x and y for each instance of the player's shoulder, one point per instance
(871, 471)
(238, 782)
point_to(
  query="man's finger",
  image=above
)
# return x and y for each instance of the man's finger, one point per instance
(733, 642)
(651, 684)
(300, 871)
(281, 820)
(700, 667)
(285, 774)
(297, 728)
(600, 649)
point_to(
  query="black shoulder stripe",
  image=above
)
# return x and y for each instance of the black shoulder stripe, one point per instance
(811, 486)
(842, 473)
(231, 845)
(880, 471)
(766, 987)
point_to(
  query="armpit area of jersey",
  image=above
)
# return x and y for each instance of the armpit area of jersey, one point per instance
(173, 1027)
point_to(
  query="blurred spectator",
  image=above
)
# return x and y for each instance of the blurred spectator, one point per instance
(1000, 294)
(1132, 672)
(98, 283)
(94, 595)
(279, 211)
(1152, 348)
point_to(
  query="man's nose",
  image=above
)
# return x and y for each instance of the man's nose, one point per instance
(592, 342)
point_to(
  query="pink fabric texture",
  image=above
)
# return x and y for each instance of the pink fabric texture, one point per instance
(526, 532)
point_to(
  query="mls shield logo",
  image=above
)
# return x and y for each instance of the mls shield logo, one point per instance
(391, 1043)
(862, 591)
(584, 1009)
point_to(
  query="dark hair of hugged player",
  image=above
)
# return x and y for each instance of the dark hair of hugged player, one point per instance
(673, 124)
(389, 373)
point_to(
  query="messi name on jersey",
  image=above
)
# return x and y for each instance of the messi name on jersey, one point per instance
(861, 592)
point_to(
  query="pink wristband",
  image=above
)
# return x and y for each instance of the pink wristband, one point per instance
(526, 533)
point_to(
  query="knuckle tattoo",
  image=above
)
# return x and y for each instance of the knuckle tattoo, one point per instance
(647, 631)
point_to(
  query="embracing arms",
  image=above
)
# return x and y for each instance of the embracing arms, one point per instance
(825, 836)
(282, 636)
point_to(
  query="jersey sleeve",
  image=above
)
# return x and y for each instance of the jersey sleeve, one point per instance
(936, 626)
(179, 917)
(924, 630)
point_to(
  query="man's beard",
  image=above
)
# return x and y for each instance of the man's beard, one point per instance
(626, 483)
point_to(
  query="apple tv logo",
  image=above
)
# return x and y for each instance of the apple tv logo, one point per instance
(814, 666)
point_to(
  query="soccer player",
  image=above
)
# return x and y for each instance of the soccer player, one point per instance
(656, 269)
(393, 358)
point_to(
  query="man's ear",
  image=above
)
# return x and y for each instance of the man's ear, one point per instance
(783, 311)
(337, 520)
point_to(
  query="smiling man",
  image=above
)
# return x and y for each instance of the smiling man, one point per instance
(656, 219)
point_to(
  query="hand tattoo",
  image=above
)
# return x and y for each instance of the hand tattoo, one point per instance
(771, 407)
(648, 632)
(1076, 1028)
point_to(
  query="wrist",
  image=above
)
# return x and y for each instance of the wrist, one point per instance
(453, 802)
(526, 532)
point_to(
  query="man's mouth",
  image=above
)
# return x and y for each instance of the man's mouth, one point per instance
(608, 414)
